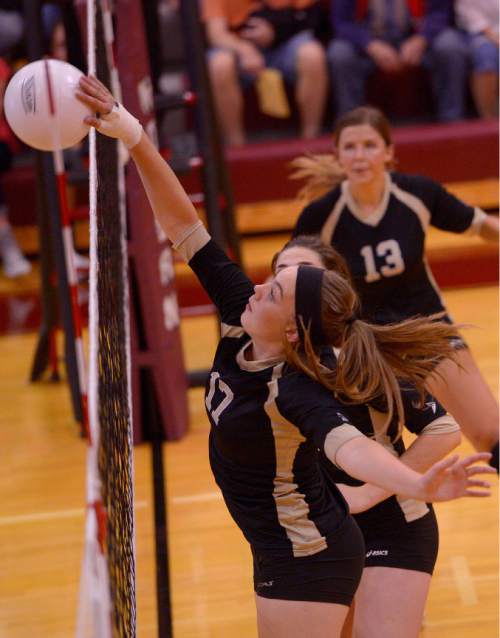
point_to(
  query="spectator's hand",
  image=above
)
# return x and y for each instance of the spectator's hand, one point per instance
(258, 31)
(492, 36)
(251, 59)
(413, 49)
(385, 56)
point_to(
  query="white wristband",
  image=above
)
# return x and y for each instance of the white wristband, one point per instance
(121, 124)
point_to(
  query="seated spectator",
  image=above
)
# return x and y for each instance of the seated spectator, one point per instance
(11, 25)
(393, 35)
(479, 19)
(14, 263)
(248, 36)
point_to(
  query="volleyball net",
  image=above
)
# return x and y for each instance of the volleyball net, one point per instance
(107, 592)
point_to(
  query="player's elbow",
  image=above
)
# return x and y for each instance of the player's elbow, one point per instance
(454, 439)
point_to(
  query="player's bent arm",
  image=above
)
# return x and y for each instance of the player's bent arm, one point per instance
(426, 450)
(368, 461)
(450, 478)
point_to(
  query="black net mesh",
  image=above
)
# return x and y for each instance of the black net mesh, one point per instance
(115, 449)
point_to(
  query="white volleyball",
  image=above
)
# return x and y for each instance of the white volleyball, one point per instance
(41, 107)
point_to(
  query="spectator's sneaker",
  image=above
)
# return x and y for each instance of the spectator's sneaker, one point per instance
(14, 262)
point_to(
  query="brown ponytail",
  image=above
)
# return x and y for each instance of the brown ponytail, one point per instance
(372, 359)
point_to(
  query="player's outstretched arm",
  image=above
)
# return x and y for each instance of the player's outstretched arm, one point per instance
(171, 205)
(448, 479)
(425, 450)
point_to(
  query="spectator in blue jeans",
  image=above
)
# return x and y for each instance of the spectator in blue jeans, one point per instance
(393, 35)
(479, 19)
(245, 37)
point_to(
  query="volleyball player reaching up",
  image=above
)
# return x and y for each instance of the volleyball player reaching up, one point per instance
(377, 220)
(268, 419)
(401, 535)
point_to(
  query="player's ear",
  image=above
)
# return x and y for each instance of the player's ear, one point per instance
(291, 334)
(389, 155)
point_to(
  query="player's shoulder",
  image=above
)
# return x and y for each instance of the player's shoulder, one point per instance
(416, 184)
(326, 201)
(233, 339)
(296, 387)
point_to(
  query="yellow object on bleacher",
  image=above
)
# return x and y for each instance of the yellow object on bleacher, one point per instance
(271, 93)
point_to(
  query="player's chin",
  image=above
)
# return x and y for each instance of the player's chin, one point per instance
(363, 175)
(245, 319)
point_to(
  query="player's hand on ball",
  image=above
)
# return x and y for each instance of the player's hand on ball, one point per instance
(93, 93)
(111, 118)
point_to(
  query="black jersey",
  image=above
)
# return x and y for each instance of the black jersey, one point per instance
(385, 252)
(267, 423)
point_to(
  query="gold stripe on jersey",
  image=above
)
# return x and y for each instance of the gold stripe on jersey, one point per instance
(231, 331)
(433, 283)
(414, 204)
(442, 425)
(412, 509)
(291, 506)
(331, 223)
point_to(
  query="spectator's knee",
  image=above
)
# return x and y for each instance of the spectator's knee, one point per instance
(311, 56)
(450, 44)
(341, 54)
(222, 65)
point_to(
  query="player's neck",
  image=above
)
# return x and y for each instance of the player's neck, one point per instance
(368, 195)
(261, 351)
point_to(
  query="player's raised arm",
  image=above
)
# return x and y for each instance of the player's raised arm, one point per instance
(170, 203)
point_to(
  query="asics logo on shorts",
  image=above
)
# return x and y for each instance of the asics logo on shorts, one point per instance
(266, 583)
(377, 552)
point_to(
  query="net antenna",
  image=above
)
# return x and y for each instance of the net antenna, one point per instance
(107, 606)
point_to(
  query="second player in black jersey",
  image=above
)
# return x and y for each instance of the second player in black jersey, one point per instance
(377, 219)
(268, 417)
(385, 250)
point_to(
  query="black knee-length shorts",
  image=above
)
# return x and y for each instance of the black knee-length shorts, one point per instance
(330, 576)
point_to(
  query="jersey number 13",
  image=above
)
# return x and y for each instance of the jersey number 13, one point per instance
(391, 252)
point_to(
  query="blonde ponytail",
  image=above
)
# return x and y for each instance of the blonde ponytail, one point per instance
(321, 173)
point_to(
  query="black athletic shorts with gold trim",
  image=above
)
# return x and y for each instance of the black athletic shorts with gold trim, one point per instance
(403, 545)
(330, 576)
